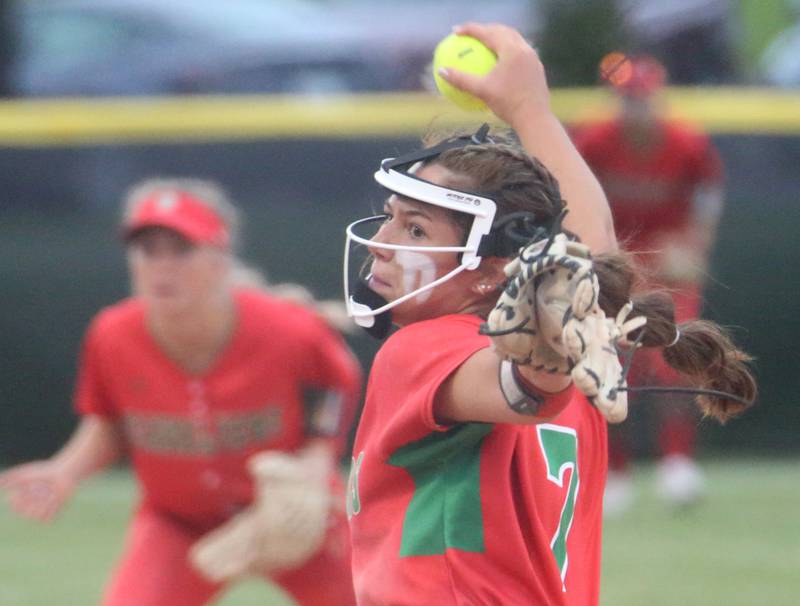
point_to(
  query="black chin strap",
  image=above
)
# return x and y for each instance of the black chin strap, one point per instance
(383, 322)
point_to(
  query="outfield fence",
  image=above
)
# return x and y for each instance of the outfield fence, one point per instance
(301, 168)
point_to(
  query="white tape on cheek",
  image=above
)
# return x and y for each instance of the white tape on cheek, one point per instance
(418, 270)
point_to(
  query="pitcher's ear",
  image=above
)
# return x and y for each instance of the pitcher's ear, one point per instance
(489, 276)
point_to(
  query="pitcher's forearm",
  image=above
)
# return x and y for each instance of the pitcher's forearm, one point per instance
(545, 138)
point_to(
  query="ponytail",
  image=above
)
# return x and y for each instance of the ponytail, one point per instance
(708, 357)
(700, 350)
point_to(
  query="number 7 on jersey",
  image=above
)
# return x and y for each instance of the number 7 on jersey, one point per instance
(560, 449)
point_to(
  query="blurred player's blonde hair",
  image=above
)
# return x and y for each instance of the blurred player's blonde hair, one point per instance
(243, 275)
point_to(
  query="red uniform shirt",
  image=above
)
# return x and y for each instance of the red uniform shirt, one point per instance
(472, 513)
(650, 194)
(189, 435)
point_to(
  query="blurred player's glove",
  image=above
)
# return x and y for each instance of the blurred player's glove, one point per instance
(548, 317)
(282, 529)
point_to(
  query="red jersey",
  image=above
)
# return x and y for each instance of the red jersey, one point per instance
(650, 193)
(472, 513)
(283, 376)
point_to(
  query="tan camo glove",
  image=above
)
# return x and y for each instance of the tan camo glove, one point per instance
(548, 318)
(282, 529)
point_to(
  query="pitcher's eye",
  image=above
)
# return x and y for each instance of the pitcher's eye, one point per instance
(416, 231)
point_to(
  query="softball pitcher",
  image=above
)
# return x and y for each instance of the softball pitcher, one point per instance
(480, 458)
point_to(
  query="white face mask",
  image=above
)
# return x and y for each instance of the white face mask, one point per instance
(418, 267)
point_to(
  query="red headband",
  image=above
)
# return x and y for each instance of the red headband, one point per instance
(181, 212)
(633, 76)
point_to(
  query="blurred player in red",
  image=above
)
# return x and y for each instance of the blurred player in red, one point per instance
(190, 378)
(476, 480)
(664, 182)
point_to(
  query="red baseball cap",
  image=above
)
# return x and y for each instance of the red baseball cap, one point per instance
(181, 212)
(633, 76)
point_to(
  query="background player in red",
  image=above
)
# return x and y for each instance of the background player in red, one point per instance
(664, 182)
(476, 480)
(191, 377)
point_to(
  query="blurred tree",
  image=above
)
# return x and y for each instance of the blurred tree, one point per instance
(577, 34)
(7, 46)
(760, 22)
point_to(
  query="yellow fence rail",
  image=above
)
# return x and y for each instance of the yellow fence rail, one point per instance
(250, 117)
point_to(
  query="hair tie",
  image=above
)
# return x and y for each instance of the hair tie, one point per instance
(677, 336)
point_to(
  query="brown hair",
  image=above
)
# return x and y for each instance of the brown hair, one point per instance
(700, 350)
(504, 172)
(704, 353)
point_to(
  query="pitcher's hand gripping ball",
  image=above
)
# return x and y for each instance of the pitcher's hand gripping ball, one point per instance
(466, 54)
(282, 529)
(548, 317)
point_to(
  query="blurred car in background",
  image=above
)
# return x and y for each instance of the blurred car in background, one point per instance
(404, 35)
(693, 38)
(139, 47)
(151, 47)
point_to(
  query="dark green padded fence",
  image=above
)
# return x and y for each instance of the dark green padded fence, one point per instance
(60, 261)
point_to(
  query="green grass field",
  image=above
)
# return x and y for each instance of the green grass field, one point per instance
(740, 547)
